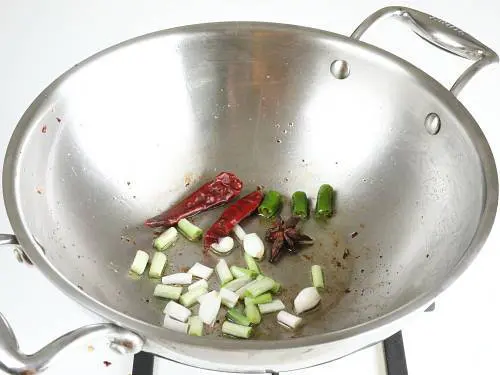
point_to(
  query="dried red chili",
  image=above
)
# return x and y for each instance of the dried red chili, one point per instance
(221, 190)
(231, 216)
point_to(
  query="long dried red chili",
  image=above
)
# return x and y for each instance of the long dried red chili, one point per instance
(231, 216)
(221, 190)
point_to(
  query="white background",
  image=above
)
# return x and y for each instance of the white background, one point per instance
(41, 39)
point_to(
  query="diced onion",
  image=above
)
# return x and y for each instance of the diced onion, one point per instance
(253, 245)
(140, 262)
(176, 311)
(289, 320)
(273, 306)
(307, 299)
(199, 284)
(175, 325)
(229, 298)
(209, 308)
(201, 271)
(178, 279)
(239, 232)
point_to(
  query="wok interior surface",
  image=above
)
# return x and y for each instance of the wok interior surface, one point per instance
(127, 134)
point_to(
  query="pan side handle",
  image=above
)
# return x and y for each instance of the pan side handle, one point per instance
(439, 33)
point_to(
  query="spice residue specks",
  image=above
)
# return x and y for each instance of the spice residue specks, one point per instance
(106, 363)
(90, 348)
(354, 234)
(346, 254)
(58, 119)
(44, 129)
(39, 190)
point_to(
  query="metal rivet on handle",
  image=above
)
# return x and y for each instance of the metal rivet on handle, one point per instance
(432, 123)
(340, 69)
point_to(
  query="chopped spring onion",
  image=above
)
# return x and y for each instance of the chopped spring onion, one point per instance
(307, 299)
(190, 298)
(263, 298)
(211, 294)
(237, 283)
(270, 204)
(157, 265)
(259, 287)
(209, 308)
(242, 291)
(178, 279)
(237, 317)
(252, 264)
(175, 325)
(253, 245)
(224, 247)
(242, 272)
(140, 262)
(199, 284)
(273, 306)
(195, 326)
(236, 330)
(300, 205)
(324, 202)
(168, 291)
(288, 320)
(201, 271)
(239, 232)
(189, 230)
(229, 298)
(177, 312)
(276, 287)
(166, 239)
(252, 311)
(317, 277)
(223, 272)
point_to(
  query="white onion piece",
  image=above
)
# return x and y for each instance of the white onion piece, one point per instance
(239, 232)
(178, 279)
(288, 320)
(177, 311)
(209, 308)
(253, 245)
(175, 325)
(201, 271)
(198, 284)
(229, 298)
(307, 299)
(211, 294)
(224, 246)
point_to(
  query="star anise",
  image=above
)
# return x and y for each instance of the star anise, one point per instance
(285, 236)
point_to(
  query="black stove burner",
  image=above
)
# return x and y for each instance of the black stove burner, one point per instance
(394, 351)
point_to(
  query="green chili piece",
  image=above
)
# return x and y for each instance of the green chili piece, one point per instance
(300, 205)
(270, 205)
(325, 202)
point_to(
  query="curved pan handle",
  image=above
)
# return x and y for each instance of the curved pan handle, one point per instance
(439, 33)
(13, 361)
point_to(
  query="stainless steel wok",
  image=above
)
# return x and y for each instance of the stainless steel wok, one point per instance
(128, 132)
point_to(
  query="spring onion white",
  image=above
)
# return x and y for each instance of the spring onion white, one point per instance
(175, 325)
(157, 265)
(190, 298)
(168, 291)
(224, 247)
(209, 308)
(317, 277)
(195, 326)
(276, 287)
(199, 284)
(239, 232)
(263, 298)
(189, 230)
(252, 311)
(178, 279)
(237, 317)
(273, 306)
(223, 272)
(307, 299)
(211, 294)
(229, 298)
(259, 287)
(201, 271)
(177, 312)
(140, 262)
(236, 330)
(237, 283)
(242, 272)
(289, 320)
(166, 239)
(253, 245)
(252, 264)
(242, 291)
